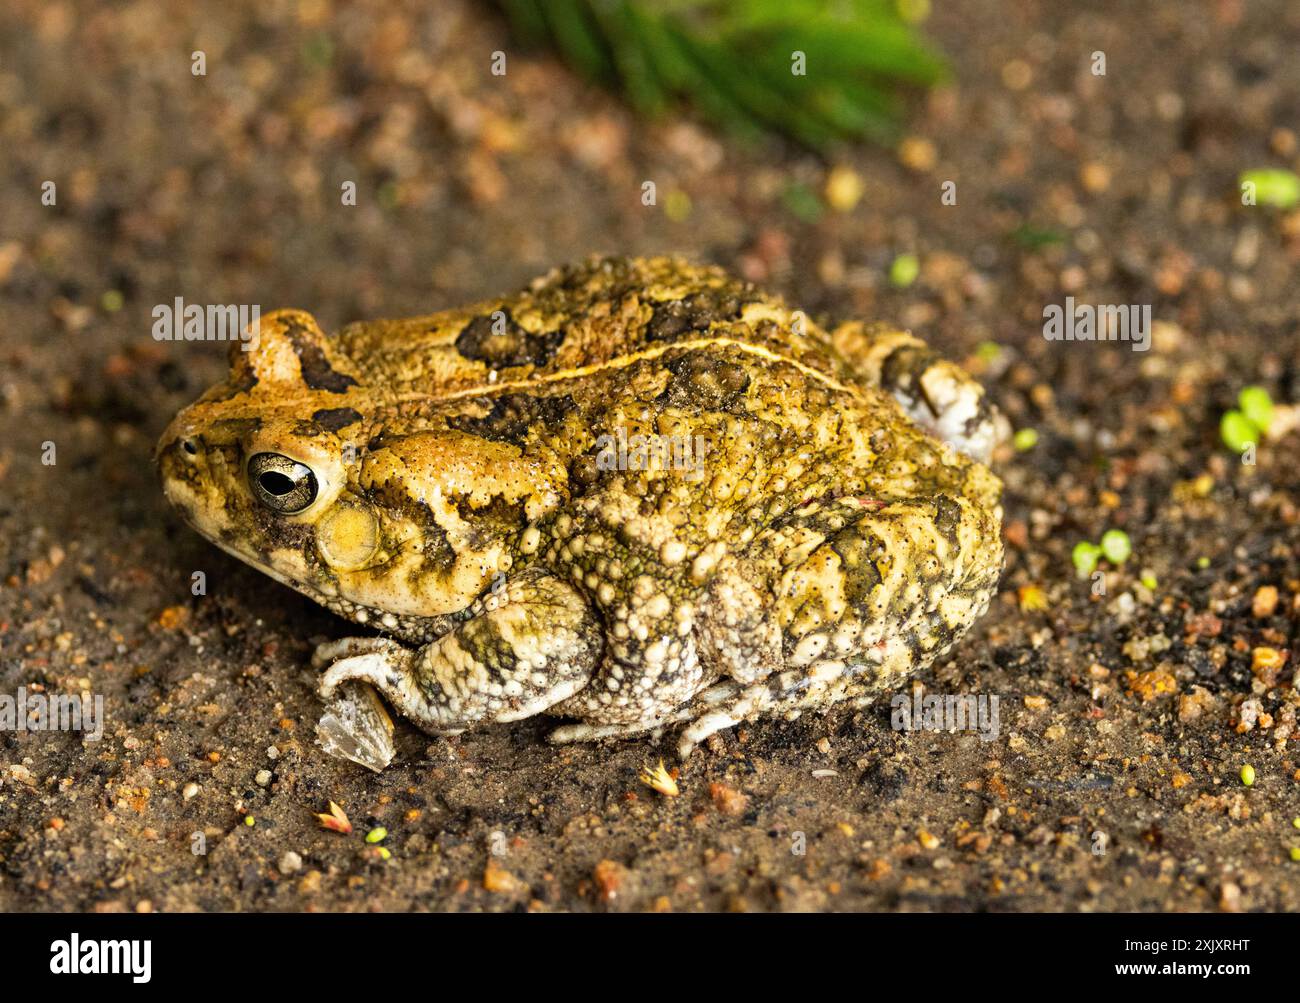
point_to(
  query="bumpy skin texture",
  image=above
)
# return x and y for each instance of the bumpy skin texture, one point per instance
(838, 530)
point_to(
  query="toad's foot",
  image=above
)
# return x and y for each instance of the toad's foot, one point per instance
(713, 696)
(568, 734)
(582, 731)
(719, 707)
(330, 652)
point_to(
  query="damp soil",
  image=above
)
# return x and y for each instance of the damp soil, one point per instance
(1127, 711)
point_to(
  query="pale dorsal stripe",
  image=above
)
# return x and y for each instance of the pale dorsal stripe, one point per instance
(628, 360)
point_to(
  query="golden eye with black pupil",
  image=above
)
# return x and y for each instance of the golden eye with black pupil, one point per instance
(281, 484)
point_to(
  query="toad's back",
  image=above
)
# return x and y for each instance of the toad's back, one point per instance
(578, 320)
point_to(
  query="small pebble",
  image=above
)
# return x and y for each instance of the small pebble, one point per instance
(190, 790)
(918, 154)
(844, 189)
(290, 862)
(1265, 602)
(498, 879)
(1017, 75)
(727, 799)
(263, 777)
(1095, 177)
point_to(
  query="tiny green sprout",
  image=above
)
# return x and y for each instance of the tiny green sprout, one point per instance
(112, 301)
(249, 820)
(1295, 853)
(1273, 186)
(1238, 431)
(1149, 581)
(678, 206)
(1202, 563)
(904, 270)
(1115, 546)
(1248, 775)
(1025, 439)
(988, 351)
(376, 834)
(384, 852)
(1085, 556)
(1296, 822)
(1257, 406)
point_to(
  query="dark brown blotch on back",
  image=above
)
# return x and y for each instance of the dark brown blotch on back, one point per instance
(703, 380)
(495, 339)
(694, 313)
(331, 419)
(317, 372)
(514, 416)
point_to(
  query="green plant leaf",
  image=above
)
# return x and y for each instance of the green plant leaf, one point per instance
(733, 59)
(577, 37)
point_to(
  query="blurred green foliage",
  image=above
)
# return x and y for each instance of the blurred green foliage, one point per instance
(734, 61)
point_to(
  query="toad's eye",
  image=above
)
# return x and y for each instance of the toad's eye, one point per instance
(281, 484)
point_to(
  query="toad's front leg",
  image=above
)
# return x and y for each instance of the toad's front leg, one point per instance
(535, 644)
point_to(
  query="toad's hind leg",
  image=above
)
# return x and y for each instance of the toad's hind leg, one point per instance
(888, 589)
(533, 646)
(937, 394)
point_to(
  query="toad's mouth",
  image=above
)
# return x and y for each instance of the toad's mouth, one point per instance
(414, 629)
(219, 530)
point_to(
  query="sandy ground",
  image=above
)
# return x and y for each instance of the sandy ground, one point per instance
(1114, 782)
